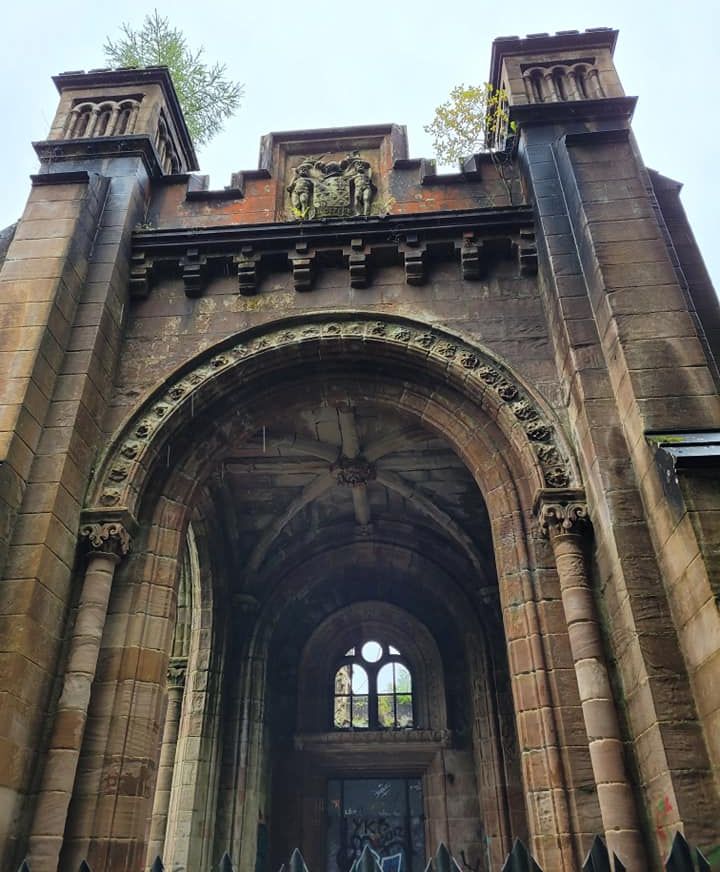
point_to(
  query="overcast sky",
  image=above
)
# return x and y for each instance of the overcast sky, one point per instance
(322, 64)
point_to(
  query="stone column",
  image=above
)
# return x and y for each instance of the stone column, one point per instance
(564, 519)
(107, 543)
(166, 765)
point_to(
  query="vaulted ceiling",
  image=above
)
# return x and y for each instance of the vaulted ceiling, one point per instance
(329, 473)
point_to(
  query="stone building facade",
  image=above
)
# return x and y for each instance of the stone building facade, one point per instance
(355, 504)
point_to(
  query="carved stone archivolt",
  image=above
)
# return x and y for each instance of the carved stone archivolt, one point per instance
(322, 188)
(109, 538)
(476, 368)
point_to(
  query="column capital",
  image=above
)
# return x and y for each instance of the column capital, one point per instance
(177, 670)
(562, 511)
(110, 538)
(106, 531)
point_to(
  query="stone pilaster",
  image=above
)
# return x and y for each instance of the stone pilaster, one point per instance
(161, 807)
(107, 542)
(563, 517)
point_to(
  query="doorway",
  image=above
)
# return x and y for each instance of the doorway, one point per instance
(385, 814)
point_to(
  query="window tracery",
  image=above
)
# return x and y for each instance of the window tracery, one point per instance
(372, 689)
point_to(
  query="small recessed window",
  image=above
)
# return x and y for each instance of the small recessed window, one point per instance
(373, 689)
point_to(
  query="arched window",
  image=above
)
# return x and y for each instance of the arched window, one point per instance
(558, 77)
(372, 689)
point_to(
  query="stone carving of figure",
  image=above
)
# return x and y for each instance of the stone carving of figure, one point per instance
(361, 173)
(301, 190)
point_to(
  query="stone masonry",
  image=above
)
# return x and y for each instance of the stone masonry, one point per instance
(472, 418)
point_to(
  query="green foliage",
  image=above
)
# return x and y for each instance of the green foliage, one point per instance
(473, 119)
(206, 95)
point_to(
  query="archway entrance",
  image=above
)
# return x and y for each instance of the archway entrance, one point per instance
(370, 494)
(384, 645)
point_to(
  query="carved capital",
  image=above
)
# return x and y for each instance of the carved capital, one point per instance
(110, 538)
(562, 512)
(177, 670)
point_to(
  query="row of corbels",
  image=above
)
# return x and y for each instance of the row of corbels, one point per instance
(194, 265)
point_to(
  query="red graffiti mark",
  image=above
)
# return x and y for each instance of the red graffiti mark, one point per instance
(664, 807)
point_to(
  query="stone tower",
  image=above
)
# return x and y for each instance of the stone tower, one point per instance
(356, 505)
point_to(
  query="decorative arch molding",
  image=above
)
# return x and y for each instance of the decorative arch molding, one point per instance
(526, 419)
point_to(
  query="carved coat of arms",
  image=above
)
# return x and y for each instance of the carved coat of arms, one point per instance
(332, 189)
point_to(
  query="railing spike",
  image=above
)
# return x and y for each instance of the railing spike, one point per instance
(680, 858)
(443, 860)
(84, 866)
(24, 866)
(702, 861)
(296, 863)
(367, 861)
(226, 864)
(519, 860)
(598, 859)
(157, 865)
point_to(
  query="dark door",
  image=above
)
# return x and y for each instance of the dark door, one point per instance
(384, 813)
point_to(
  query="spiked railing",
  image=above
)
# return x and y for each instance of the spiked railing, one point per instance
(681, 858)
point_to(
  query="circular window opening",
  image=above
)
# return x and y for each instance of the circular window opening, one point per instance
(371, 652)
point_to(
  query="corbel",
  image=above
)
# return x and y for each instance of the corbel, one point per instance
(247, 270)
(473, 260)
(358, 256)
(141, 275)
(527, 253)
(413, 250)
(193, 272)
(303, 266)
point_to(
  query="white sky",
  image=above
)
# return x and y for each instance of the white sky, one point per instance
(322, 64)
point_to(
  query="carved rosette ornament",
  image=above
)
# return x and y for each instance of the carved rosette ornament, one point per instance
(109, 539)
(480, 373)
(353, 472)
